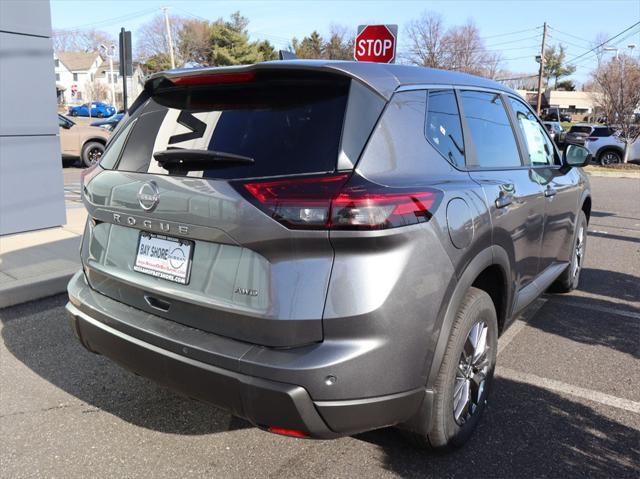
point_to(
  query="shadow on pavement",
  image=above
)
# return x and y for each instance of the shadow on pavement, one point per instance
(574, 317)
(610, 283)
(39, 335)
(525, 432)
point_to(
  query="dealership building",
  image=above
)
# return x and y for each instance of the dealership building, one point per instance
(31, 182)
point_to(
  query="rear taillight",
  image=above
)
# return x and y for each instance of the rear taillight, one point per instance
(592, 138)
(339, 203)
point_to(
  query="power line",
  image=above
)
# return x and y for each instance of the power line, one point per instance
(511, 33)
(603, 43)
(572, 36)
(109, 21)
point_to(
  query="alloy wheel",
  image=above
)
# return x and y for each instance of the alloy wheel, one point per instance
(94, 155)
(471, 374)
(579, 253)
(610, 158)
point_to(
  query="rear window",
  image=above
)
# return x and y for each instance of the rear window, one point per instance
(602, 131)
(286, 128)
(580, 129)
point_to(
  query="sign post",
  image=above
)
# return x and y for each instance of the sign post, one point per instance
(126, 63)
(376, 43)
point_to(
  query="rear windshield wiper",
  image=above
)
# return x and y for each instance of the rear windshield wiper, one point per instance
(178, 160)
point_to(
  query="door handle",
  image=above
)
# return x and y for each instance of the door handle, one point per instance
(549, 192)
(504, 199)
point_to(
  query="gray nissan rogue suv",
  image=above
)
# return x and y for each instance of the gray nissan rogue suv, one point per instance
(325, 248)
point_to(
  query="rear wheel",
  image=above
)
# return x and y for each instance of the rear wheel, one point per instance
(74, 113)
(92, 152)
(568, 280)
(100, 114)
(466, 373)
(610, 157)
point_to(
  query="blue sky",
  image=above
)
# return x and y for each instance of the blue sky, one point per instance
(574, 23)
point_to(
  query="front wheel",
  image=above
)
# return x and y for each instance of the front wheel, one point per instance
(74, 113)
(91, 153)
(610, 158)
(466, 373)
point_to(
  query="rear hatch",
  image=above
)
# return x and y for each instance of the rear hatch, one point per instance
(183, 222)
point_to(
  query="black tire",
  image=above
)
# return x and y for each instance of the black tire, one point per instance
(100, 114)
(610, 157)
(570, 277)
(74, 113)
(91, 153)
(447, 432)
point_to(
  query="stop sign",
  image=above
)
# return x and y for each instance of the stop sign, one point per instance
(376, 43)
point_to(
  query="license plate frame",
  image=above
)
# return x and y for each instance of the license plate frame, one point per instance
(178, 249)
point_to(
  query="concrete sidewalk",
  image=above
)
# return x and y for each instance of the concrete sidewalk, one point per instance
(40, 263)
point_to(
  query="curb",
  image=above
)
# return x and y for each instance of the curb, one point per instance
(613, 174)
(29, 289)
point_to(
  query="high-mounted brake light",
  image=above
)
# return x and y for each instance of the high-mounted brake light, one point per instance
(217, 79)
(339, 203)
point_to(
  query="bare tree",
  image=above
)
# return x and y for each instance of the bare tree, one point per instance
(80, 41)
(459, 48)
(95, 91)
(152, 39)
(427, 44)
(341, 43)
(194, 42)
(617, 83)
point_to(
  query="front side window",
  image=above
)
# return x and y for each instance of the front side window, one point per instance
(75, 77)
(539, 146)
(443, 129)
(490, 129)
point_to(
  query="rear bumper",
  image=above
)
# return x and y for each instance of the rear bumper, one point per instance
(209, 368)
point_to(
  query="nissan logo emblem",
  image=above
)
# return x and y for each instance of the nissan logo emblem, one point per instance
(149, 196)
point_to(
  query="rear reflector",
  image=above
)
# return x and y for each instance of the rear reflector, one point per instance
(287, 432)
(340, 203)
(88, 174)
(217, 79)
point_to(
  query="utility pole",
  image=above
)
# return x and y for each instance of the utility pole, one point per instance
(169, 39)
(541, 71)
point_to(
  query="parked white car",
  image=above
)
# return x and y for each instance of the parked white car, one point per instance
(607, 147)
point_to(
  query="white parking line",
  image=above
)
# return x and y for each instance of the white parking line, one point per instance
(560, 387)
(602, 309)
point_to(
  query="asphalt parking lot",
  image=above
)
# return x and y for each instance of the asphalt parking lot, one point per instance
(566, 400)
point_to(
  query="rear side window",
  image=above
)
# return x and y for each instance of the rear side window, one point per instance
(443, 129)
(287, 129)
(490, 130)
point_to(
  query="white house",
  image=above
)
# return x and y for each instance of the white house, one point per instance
(75, 71)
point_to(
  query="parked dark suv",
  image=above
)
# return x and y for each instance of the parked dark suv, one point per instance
(325, 248)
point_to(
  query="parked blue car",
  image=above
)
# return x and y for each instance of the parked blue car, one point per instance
(110, 123)
(98, 109)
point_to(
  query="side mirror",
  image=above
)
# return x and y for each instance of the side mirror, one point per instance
(576, 155)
